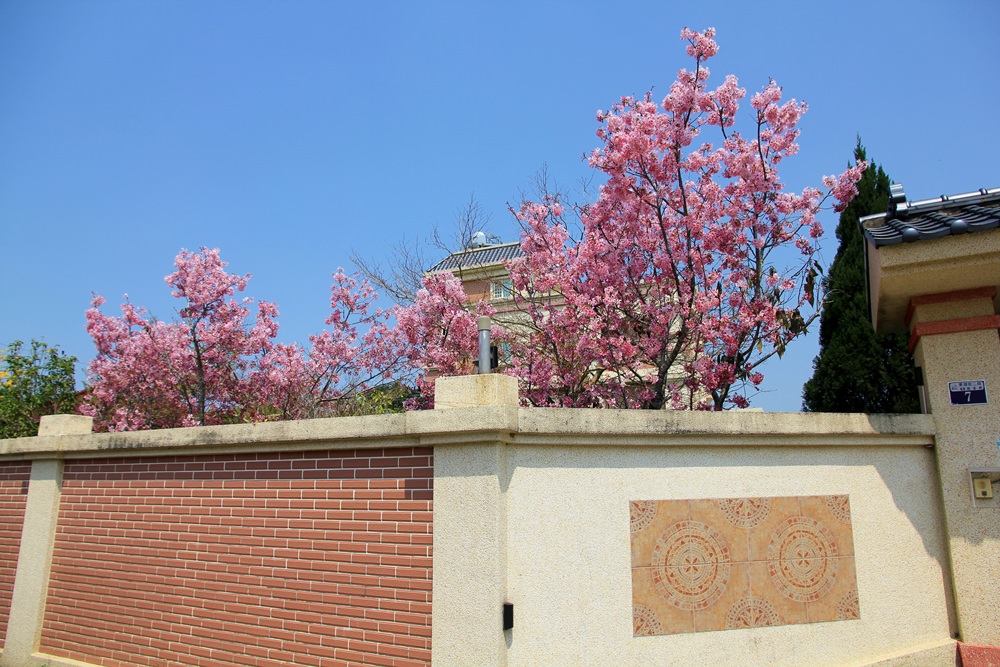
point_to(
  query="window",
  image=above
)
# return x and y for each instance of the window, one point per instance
(500, 290)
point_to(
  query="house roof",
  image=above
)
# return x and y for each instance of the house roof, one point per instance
(907, 222)
(491, 254)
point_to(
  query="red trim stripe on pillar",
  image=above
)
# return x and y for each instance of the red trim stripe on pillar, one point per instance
(946, 297)
(952, 326)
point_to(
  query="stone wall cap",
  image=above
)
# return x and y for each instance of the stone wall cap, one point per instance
(468, 425)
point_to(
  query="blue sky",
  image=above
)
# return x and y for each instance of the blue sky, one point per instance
(288, 134)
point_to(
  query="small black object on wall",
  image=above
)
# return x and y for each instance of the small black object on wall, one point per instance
(508, 615)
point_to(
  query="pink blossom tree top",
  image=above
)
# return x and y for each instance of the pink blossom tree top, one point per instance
(204, 368)
(693, 266)
(361, 349)
(438, 333)
(217, 364)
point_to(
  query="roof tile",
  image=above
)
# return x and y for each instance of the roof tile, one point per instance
(464, 259)
(907, 222)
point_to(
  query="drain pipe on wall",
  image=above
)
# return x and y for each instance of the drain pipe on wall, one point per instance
(484, 346)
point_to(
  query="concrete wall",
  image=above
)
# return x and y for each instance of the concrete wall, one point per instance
(167, 549)
(967, 439)
(149, 552)
(568, 550)
(944, 292)
(248, 559)
(541, 520)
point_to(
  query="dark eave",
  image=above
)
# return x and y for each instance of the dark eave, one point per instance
(464, 259)
(907, 222)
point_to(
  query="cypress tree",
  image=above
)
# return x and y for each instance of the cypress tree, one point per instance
(855, 370)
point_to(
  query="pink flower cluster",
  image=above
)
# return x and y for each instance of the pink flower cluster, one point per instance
(218, 365)
(438, 333)
(694, 264)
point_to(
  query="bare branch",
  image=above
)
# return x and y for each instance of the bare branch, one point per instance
(400, 277)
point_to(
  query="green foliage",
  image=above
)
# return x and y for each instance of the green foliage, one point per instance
(34, 382)
(384, 399)
(857, 371)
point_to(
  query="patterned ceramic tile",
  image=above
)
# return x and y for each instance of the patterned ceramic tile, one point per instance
(841, 601)
(834, 512)
(733, 518)
(752, 612)
(642, 514)
(716, 616)
(763, 586)
(731, 563)
(652, 614)
(649, 521)
(760, 536)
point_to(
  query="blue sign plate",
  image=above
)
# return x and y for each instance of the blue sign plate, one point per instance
(968, 392)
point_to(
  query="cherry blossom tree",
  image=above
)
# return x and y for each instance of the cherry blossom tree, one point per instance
(693, 266)
(438, 333)
(216, 364)
(363, 349)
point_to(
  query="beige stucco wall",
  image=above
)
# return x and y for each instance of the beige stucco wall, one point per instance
(470, 534)
(531, 506)
(968, 438)
(898, 273)
(568, 551)
(947, 293)
(550, 533)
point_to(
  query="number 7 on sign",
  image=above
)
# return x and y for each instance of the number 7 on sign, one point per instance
(968, 392)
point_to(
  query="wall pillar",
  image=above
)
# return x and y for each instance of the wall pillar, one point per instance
(954, 338)
(31, 581)
(470, 531)
(34, 560)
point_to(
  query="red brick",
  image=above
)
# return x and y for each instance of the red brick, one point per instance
(351, 657)
(294, 579)
(409, 662)
(412, 642)
(386, 661)
(421, 655)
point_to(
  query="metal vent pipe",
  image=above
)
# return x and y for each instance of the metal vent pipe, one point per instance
(484, 345)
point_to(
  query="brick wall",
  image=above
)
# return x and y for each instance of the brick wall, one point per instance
(13, 494)
(314, 558)
(476, 290)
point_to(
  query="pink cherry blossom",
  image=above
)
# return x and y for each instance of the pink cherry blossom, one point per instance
(692, 267)
(217, 364)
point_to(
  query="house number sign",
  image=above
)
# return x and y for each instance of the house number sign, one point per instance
(968, 392)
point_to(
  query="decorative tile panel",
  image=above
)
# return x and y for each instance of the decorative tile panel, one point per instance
(734, 563)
